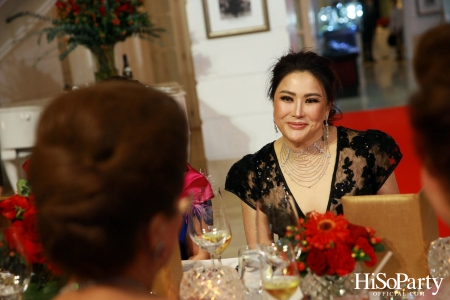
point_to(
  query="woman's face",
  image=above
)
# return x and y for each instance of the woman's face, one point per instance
(299, 109)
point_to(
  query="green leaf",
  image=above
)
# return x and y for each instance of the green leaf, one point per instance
(23, 188)
(378, 248)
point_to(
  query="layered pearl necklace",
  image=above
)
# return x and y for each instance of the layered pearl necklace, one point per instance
(305, 167)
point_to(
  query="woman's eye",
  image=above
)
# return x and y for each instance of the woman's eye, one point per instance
(312, 100)
(286, 98)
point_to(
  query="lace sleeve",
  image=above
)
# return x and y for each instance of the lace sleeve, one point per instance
(242, 181)
(382, 156)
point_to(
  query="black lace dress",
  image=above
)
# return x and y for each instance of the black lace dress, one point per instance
(364, 161)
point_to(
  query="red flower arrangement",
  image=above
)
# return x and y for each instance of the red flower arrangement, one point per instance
(19, 243)
(96, 24)
(330, 245)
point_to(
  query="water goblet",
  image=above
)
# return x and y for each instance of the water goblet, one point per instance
(249, 259)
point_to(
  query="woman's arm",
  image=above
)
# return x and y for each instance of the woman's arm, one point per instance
(251, 217)
(390, 186)
(195, 252)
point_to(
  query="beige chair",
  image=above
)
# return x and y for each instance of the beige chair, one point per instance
(407, 224)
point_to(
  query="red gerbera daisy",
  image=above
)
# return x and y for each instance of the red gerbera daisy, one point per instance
(324, 230)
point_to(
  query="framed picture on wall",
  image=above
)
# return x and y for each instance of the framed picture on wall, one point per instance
(429, 7)
(232, 17)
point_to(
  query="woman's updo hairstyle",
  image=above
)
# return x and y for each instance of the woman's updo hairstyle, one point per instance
(107, 159)
(429, 113)
(307, 61)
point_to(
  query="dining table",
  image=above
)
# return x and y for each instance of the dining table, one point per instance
(233, 263)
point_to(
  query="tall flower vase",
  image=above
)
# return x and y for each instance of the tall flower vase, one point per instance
(104, 60)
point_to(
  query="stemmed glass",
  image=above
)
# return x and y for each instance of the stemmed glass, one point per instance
(217, 201)
(209, 228)
(279, 273)
(15, 272)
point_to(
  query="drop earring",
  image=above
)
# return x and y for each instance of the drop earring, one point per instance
(158, 250)
(327, 132)
(275, 127)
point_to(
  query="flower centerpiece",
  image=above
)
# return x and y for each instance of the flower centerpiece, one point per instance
(20, 247)
(98, 26)
(330, 249)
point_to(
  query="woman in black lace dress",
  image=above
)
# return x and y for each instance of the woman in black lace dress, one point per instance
(314, 163)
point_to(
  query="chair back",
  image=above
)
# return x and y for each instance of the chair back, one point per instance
(406, 223)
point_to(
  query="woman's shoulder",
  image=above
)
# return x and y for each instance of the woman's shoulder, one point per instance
(364, 141)
(369, 135)
(250, 161)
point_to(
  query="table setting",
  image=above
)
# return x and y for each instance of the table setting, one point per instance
(317, 257)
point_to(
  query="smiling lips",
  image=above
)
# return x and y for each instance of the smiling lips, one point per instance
(297, 125)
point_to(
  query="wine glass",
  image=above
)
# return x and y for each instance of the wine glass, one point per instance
(209, 228)
(217, 201)
(279, 273)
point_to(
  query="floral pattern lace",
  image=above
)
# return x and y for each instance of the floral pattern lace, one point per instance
(364, 161)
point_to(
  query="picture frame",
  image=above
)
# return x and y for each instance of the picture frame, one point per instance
(428, 7)
(232, 17)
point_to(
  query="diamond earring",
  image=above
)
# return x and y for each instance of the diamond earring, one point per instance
(275, 127)
(327, 132)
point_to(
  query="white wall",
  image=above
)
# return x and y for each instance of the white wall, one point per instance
(21, 78)
(414, 26)
(232, 75)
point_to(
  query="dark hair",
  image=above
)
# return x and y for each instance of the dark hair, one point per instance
(432, 53)
(307, 61)
(429, 111)
(107, 159)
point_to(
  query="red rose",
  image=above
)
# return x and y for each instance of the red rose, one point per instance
(102, 10)
(75, 8)
(60, 5)
(357, 231)
(22, 237)
(121, 8)
(316, 261)
(340, 260)
(368, 250)
(11, 208)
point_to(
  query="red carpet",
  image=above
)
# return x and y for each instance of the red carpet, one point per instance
(395, 122)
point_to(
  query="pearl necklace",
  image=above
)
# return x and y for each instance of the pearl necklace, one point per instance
(305, 167)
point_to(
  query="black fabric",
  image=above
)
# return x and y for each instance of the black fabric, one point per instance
(392, 40)
(364, 161)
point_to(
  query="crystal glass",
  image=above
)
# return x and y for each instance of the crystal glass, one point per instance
(15, 273)
(209, 227)
(249, 259)
(217, 201)
(438, 258)
(279, 273)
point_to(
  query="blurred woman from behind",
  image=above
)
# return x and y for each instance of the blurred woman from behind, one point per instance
(107, 171)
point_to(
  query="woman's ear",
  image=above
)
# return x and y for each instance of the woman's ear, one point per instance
(162, 236)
